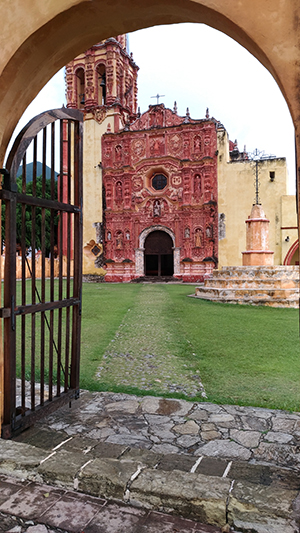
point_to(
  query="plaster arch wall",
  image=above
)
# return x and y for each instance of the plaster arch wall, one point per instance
(140, 251)
(39, 38)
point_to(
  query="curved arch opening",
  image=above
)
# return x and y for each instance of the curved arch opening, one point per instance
(159, 259)
(66, 31)
(256, 124)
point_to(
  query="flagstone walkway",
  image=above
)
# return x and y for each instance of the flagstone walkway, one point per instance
(149, 356)
(207, 463)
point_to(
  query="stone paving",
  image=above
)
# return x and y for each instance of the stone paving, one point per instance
(43, 509)
(222, 465)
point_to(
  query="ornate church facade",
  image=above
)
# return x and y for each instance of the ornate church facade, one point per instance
(157, 193)
(160, 181)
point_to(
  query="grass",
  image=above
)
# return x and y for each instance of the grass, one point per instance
(244, 355)
(152, 339)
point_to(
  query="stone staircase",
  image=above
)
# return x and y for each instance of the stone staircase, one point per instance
(274, 286)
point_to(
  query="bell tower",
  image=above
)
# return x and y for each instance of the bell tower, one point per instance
(102, 83)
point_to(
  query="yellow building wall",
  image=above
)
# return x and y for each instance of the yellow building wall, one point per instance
(92, 181)
(236, 195)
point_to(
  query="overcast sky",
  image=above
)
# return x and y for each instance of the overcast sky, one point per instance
(200, 67)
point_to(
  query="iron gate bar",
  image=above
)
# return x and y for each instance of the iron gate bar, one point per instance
(33, 285)
(46, 306)
(77, 275)
(23, 320)
(67, 337)
(40, 202)
(60, 283)
(43, 249)
(16, 420)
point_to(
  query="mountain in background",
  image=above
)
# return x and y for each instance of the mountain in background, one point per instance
(39, 171)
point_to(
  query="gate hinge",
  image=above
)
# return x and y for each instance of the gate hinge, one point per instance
(5, 312)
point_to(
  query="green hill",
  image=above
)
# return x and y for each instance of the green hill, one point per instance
(39, 171)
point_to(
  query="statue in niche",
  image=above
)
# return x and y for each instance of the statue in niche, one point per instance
(156, 208)
(198, 239)
(119, 190)
(209, 232)
(207, 146)
(187, 233)
(197, 185)
(119, 241)
(109, 236)
(127, 235)
(118, 151)
(197, 144)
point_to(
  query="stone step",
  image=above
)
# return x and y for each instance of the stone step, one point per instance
(276, 286)
(254, 294)
(212, 490)
(293, 304)
(220, 281)
(278, 272)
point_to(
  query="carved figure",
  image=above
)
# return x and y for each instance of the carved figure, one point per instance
(197, 144)
(156, 208)
(119, 241)
(207, 146)
(119, 190)
(198, 239)
(118, 151)
(127, 235)
(109, 236)
(197, 184)
(187, 233)
(209, 232)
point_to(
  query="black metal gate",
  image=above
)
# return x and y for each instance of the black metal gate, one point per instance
(42, 242)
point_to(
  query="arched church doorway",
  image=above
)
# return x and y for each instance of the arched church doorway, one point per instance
(159, 254)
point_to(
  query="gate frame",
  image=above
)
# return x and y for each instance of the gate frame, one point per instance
(13, 423)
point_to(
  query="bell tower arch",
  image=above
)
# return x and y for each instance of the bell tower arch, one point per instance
(104, 77)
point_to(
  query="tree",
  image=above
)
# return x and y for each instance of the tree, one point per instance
(38, 216)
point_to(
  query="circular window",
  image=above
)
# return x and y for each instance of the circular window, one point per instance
(159, 182)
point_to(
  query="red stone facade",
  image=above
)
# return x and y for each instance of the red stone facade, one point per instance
(160, 182)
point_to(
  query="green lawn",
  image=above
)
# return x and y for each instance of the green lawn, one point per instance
(153, 339)
(242, 354)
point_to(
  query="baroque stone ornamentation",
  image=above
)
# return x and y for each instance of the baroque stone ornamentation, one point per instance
(163, 185)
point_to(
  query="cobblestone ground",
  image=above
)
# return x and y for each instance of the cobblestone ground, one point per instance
(149, 356)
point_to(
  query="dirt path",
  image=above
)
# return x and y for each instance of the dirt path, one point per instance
(147, 350)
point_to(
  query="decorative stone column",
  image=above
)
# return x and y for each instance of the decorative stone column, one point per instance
(257, 239)
(176, 252)
(139, 262)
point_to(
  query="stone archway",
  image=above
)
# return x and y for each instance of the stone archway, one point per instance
(39, 42)
(292, 257)
(140, 251)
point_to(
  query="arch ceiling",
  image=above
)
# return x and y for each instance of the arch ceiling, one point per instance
(38, 38)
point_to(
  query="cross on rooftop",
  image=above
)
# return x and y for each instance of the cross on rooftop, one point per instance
(158, 96)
